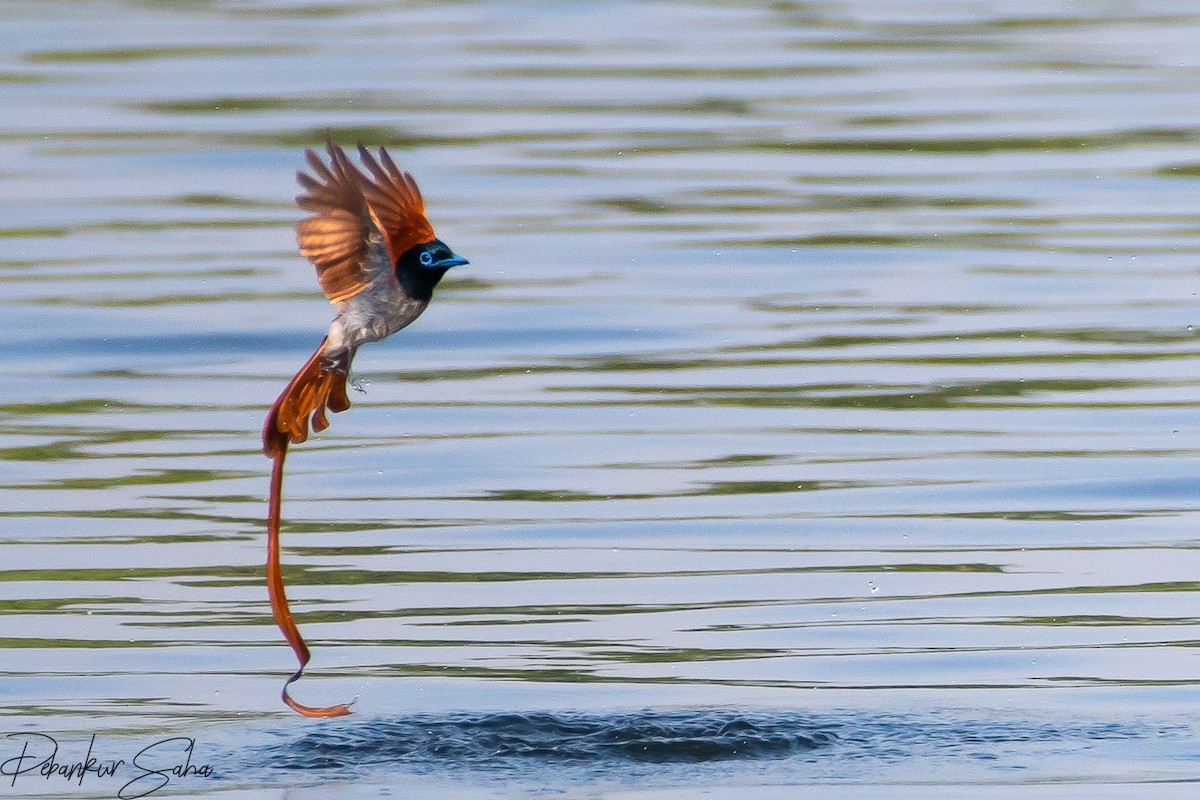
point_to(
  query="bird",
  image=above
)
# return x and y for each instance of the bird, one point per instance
(377, 261)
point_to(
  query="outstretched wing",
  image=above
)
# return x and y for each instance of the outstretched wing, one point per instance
(353, 213)
(335, 238)
(396, 202)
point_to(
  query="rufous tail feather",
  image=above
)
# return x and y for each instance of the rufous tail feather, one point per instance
(279, 602)
(314, 389)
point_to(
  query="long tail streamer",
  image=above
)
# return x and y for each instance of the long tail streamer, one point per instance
(279, 602)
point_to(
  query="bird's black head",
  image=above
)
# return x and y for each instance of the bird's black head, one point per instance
(419, 268)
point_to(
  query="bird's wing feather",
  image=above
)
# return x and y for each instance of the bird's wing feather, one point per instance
(396, 203)
(360, 224)
(334, 239)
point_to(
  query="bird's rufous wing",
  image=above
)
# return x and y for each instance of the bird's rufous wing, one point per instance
(335, 237)
(396, 203)
(351, 212)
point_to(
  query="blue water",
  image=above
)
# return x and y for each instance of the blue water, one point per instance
(818, 414)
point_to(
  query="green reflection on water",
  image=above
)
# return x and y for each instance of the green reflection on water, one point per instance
(140, 478)
(29, 232)
(801, 203)
(70, 605)
(74, 449)
(1189, 170)
(82, 405)
(222, 201)
(1131, 137)
(969, 393)
(678, 655)
(127, 54)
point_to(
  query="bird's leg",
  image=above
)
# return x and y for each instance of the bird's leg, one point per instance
(337, 361)
(336, 367)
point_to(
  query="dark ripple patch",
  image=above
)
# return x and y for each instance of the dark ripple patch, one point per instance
(488, 740)
(678, 747)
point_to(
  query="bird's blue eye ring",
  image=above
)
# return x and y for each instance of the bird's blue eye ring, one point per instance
(426, 258)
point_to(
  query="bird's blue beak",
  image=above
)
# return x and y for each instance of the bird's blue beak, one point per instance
(449, 261)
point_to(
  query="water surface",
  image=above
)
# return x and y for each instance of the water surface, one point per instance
(819, 408)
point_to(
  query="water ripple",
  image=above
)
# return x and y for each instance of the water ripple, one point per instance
(622, 746)
(488, 739)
